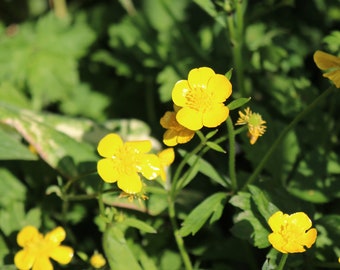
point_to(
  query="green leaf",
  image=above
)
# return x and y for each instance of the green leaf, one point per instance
(12, 188)
(216, 147)
(229, 74)
(117, 251)
(251, 223)
(237, 103)
(60, 151)
(139, 224)
(264, 206)
(205, 168)
(211, 134)
(12, 149)
(209, 7)
(197, 217)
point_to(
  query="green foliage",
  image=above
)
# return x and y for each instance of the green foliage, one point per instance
(211, 206)
(110, 66)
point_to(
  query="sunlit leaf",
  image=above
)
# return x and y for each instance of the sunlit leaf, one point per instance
(117, 250)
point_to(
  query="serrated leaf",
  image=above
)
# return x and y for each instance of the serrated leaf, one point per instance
(117, 251)
(264, 206)
(139, 224)
(197, 217)
(238, 103)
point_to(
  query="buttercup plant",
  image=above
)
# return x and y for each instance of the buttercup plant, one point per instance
(206, 137)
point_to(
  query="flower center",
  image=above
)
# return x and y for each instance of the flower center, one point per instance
(290, 233)
(40, 247)
(199, 99)
(126, 160)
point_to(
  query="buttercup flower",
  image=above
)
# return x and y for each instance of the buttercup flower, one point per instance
(167, 157)
(97, 260)
(175, 133)
(201, 99)
(326, 61)
(291, 233)
(256, 125)
(37, 249)
(123, 162)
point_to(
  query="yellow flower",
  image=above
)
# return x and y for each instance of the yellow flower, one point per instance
(201, 99)
(167, 157)
(175, 133)
(97, 260)
(326, 61)
(37, 249)
(291, 233)
(256, 125)
(123, 162)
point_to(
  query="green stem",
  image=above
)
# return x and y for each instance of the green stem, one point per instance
(282, 261)
(231, 136)
(177, 235)
(236, 30)
(174, 190)
(283, 134)
(100, 199)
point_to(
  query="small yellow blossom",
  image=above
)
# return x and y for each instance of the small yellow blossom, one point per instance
(123, 162)
(97, 260)
(256, 125)
(291, 233)
(175, 133)
(331, 63)
(167, 157)
(201, 99)
(37, 249)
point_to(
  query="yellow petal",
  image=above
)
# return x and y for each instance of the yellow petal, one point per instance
(130, 184)
(294, 247)
(56, 236)
(62, 254)
(189, 118)
(170, 137)
(334, 76)
(199, 77)
(179, 93)
(140, 146)
(27, 235)
(106, 170)
(42, 263)
(325, 60)
(167, 156)
(150, 166)
(277, 242)
(309, 238)
(168, 119)
(220, 86)
(276, 220)
(109, 145)
(24, 259)
(217, 115)
(185, 135)
(301, 220)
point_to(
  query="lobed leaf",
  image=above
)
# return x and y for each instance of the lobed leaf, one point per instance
(211, 206)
